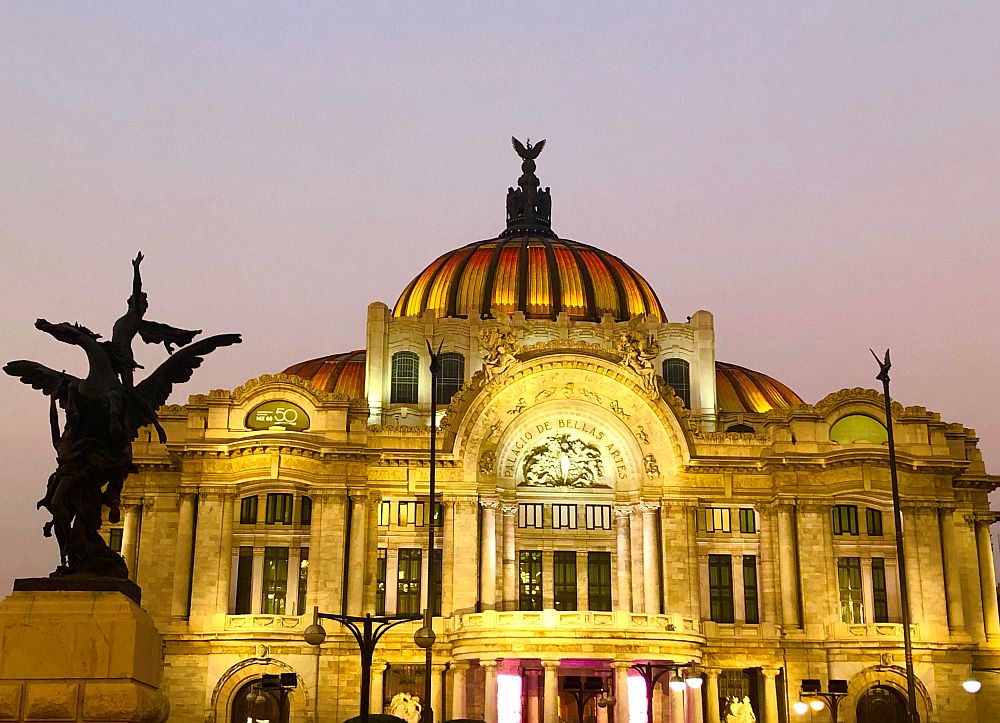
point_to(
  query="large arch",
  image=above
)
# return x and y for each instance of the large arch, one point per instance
(889, 677)
(246, 671)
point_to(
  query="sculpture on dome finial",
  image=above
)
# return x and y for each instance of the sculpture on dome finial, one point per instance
(529, 210)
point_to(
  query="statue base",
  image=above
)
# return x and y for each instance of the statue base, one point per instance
(80, 583)
(78, 655)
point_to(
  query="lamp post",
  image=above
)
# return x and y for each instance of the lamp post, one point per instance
(897, 516)
(652, 672)
(814, 698)
(367, 630)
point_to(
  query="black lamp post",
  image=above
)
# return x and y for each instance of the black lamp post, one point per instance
(652, 672)
(812, 691)
(367, 629)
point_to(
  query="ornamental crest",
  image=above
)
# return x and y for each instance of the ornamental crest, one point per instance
(563, 461)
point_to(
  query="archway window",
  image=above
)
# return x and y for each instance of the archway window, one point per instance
(858, 428)
(881, 704)
(405, 373)
(451, 376)
(740, 428)
(273, 708)
(677, 372)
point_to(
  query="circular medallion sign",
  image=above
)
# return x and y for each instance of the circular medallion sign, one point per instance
(278, 414)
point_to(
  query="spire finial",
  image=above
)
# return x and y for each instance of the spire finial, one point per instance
(529, 210)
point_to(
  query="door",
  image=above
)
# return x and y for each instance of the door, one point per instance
(881, 704)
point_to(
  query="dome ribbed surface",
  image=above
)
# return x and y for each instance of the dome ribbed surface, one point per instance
(738, 389)
(338, 373)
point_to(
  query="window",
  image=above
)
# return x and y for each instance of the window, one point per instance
(437, 587)
(275, 587)
(530, 578)
(717, 519)
(405, 372)
(599, 580)
(849, 578)
(598, 517)
(410, 513)
(563, 516)
(720, 587)
(751, 612)
(450, 377)
(677, 373)
(279, 509)
(845, 520)
(740, 429)
(303, 579)
(380, 562)
(564, 576)
(529, 514)
(873, 522)
(438, 519)
(248, 510)
(880, 598)
(115, 536)
(306, 513)
(384, 510)
(408, 583)
(244, 581)
(748, 520)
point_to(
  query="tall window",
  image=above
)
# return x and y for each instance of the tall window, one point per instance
(408, 584)
(852, 609)
(529, 514)
(880, 598)
(563, 516)
(279, 509)
(845, 520)
(244, 581)
(275, 587)
(437, 588)
(677, 372)
(720, 587)
(751, 611)
(405, 372)
(873, 522)
(306, 513)
(380, 561)
(115, 537)
(717, 519)
(599, 580)
(248, 510)
(748, 520)
(450, 378)
(303, 579)
(384, 509)
(410, 513)
(530, 577)
(564, 576)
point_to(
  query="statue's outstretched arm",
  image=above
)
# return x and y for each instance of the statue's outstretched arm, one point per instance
(136, 278)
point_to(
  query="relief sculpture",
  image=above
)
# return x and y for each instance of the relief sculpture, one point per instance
(563, 461)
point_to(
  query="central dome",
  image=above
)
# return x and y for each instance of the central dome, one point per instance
(538, 276)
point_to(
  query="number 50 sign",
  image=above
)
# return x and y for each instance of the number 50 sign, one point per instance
(278, 413)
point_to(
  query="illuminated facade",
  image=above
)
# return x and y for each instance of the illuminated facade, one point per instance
(610, 494)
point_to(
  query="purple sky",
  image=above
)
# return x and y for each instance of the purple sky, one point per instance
(823, 178)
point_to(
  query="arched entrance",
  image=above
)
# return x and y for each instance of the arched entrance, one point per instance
(274, 707)
(881, 704)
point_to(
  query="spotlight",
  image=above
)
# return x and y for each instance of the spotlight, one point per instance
(972, 685)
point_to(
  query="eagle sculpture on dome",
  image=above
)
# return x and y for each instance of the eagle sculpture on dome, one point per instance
(529, 152)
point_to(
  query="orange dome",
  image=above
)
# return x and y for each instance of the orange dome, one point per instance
(337, 373)
(738, 389)
(538, 276)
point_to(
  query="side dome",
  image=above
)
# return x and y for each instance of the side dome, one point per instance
(337, 373)
(738, 389)
(538, 276)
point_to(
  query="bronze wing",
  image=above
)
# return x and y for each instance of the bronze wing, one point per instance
(38, 376)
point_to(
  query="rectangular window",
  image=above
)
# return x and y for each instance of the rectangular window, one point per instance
(384, 510)
(115, 537)
(244, 581)
(380, 563)
(873, 521)
(410, 513)
(248, 510)
(880, 598)
(599, 580)
(598, 517)
(303, 579)
(408, 582)
(563, 516)
(438, 584)
(852, 608)
(530, 579)
(717, 519)
(306, 513)
(748, 520)
(751, 612)
(677, 373)
(438, 519)
(529, 514)
(279, 509)
(720, 587)
(564, 575)
(845, 520)
(272, 596)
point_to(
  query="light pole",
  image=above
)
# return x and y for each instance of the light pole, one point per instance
(652, 672)
(814, 699)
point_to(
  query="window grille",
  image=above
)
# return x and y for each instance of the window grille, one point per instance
(450, 377)
(530, 514)
(598, 517)
(563, 516)
(405, 375)
(677, 372)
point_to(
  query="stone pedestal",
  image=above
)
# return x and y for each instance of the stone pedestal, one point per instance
(79, 656)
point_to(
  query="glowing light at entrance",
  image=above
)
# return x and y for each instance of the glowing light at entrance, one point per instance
(636, 699)
(509, 698)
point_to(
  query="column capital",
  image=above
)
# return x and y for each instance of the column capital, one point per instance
(770, 672)
(712, 672)
(622, 664)
(489, 503)
(648, 507)
(359, 497)
(623, 511)
(489, 664)
(508, 509)
(459, 665)
(438, 667)
(551, 664)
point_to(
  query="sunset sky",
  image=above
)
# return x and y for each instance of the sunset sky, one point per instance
(822, 177)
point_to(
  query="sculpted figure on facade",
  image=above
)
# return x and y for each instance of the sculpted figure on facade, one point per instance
(563, 461)
(498, 345)
(405, 706)
(638, 351)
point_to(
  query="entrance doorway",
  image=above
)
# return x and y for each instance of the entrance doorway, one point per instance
(881, 704)
(274, 708)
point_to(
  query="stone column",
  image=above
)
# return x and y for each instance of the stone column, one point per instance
(952, 577)
(356, 554)
(490, 690)
(987, 577)
(914, 572)
(770, 695)
(448, 558)
(182, 558)
(371, 545)
(532, 714)
(767, 582)
(315, 553)
(509, 557)
(130, 538)
(624, 560)
(437, 700)
(694, 569)
(376, 694)
(226, 554)
(458, 670)
(464, 551)
(712, 695)
(621, 689)
(256, 580)
(635, 555)
(789, 574)
(488, 556)
(650, 559)
(551, 692)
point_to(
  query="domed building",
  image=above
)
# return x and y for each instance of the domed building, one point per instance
(624, 525)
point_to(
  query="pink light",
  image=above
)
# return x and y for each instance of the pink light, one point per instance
(636, 699)
(508, 698)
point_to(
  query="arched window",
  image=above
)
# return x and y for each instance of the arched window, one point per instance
(741, 428)
(678, 375)
(450, 378)
(858, 428)
(405, 372)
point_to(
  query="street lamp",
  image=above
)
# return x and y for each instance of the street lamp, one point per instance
(815, 699)
(652, 672)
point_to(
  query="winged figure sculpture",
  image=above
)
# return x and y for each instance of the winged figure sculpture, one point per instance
(527, 152)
